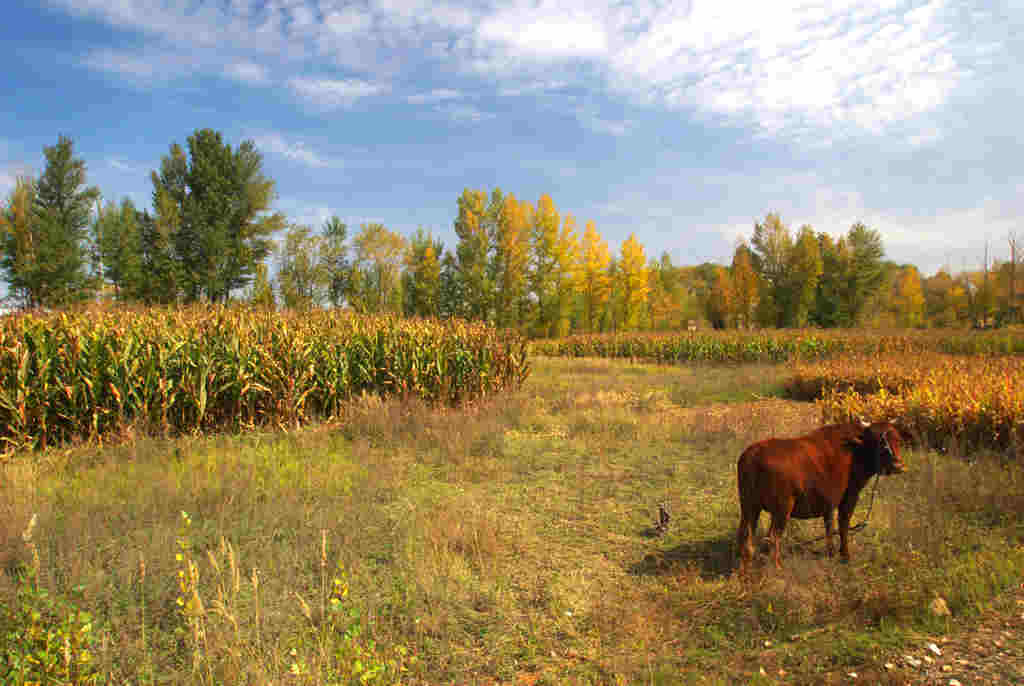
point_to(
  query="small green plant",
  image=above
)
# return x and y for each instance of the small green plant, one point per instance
(47, 638)
(340, 648)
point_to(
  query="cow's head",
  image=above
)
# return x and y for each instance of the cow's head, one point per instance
(880, 444)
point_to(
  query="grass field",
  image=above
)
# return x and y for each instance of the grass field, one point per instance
(511, 542)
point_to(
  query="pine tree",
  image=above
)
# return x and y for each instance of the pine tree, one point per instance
(47, 263)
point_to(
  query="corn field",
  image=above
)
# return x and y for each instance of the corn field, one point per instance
(948, 402)
(94, 372)
(776, 345)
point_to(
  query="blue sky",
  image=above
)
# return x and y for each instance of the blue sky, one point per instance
(684, 122)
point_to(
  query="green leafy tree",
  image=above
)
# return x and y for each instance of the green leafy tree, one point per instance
(48, 263)
(801, 281)
(544, 265)
(377, 272)
(771, 246)
(422, 275)
(302, 276)
(865, 276)
(334, 252)
(449, 296)
(19, 241)
(215, 203)
(119, 243)
(473, 251)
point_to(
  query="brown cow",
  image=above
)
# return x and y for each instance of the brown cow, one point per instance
(811, 476)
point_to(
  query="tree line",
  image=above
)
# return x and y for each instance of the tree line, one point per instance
(211, 236)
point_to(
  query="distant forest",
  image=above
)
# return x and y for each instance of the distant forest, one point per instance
(211, 236)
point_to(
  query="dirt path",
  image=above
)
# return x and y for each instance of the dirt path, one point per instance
(990, 651)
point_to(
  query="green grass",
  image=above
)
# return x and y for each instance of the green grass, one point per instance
(510, 542)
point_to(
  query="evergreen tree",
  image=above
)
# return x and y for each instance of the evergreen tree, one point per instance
(865, 275)
(214, 203)
(48, 262)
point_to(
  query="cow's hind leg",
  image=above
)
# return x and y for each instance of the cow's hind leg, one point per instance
(745, 535)
(780, 517)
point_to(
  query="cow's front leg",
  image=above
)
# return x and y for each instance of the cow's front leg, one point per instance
(829, 530)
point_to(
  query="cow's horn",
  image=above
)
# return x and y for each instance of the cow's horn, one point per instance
(865, 424)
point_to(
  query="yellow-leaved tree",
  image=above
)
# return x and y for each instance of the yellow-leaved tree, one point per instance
(567, 275)
(633, 284)
(512, 260)
(595, 283)
(908, 299)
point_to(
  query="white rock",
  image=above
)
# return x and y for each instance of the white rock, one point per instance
(912, 661)
(934, 648)
(889, 665)
(852, 675)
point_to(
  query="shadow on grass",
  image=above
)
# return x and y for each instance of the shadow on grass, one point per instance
(711, 558)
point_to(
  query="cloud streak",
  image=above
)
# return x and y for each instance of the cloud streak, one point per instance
(296, 151)
(810, 72)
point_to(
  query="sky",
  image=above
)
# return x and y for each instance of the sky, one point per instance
(681, 122)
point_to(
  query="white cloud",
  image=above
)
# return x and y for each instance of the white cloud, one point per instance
(551, 30)
(436, 95)
(296, 151)
(334, 93)
(247, 72)
(793, 69)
